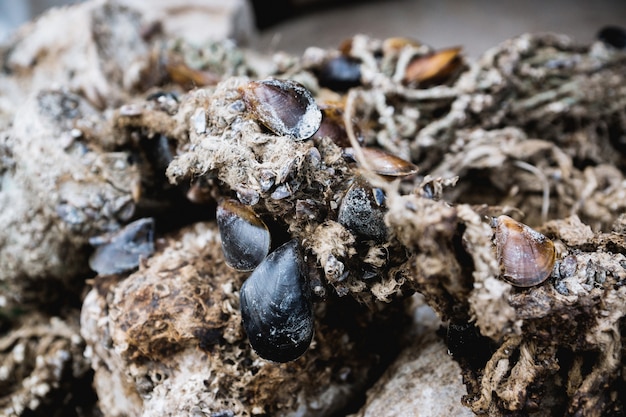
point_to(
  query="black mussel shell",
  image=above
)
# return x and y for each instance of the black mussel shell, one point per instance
(614, 36)
(276, 307)
(340, 73)
(362, 212)
(245, 237)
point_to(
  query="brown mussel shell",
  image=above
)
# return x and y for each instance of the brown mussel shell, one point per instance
(434, 67)
(285, 107)
(333, 126)
(384, 163)
(276, 307)
(245, 237)
(526, 256)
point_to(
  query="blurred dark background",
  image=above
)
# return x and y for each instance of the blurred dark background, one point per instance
(293, 25)
(476, 25)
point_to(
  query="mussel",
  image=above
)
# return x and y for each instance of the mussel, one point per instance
(526, 256)
(362, 211)
(333, 127)
(123, 250)
(340, 73)
(245, 237)
(276, 306)
(435, 67)
(614, 36)
(285, 107)
(384, 163)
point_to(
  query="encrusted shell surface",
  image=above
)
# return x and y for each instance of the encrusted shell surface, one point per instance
(285, 107)
(526, 256)
(276, 308)
(245, 237)
(362, 211)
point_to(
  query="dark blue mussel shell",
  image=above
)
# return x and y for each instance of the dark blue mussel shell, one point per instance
(276, 307)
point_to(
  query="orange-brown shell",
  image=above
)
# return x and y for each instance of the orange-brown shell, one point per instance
(384, 163)
(526, 256)
(435, 67)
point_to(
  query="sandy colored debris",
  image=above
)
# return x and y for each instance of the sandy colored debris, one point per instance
(198, 21)
(169, 338)
(42, 365)
(60, 189)
(533, 129)
(86, 57)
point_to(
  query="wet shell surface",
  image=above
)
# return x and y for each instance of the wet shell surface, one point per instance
(276, 308)
(285, 107)
(340, 73)
(384, 163)
(245, 237)
(362, 211)
(526, 256)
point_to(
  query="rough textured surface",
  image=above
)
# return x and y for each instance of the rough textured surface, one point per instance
(534, 130)
(42, 367)
(86, 56)
(171, 333)
(59, 189)
(198, 21)
(424, 380)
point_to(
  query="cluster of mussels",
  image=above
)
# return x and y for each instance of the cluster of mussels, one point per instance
(276, 300)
